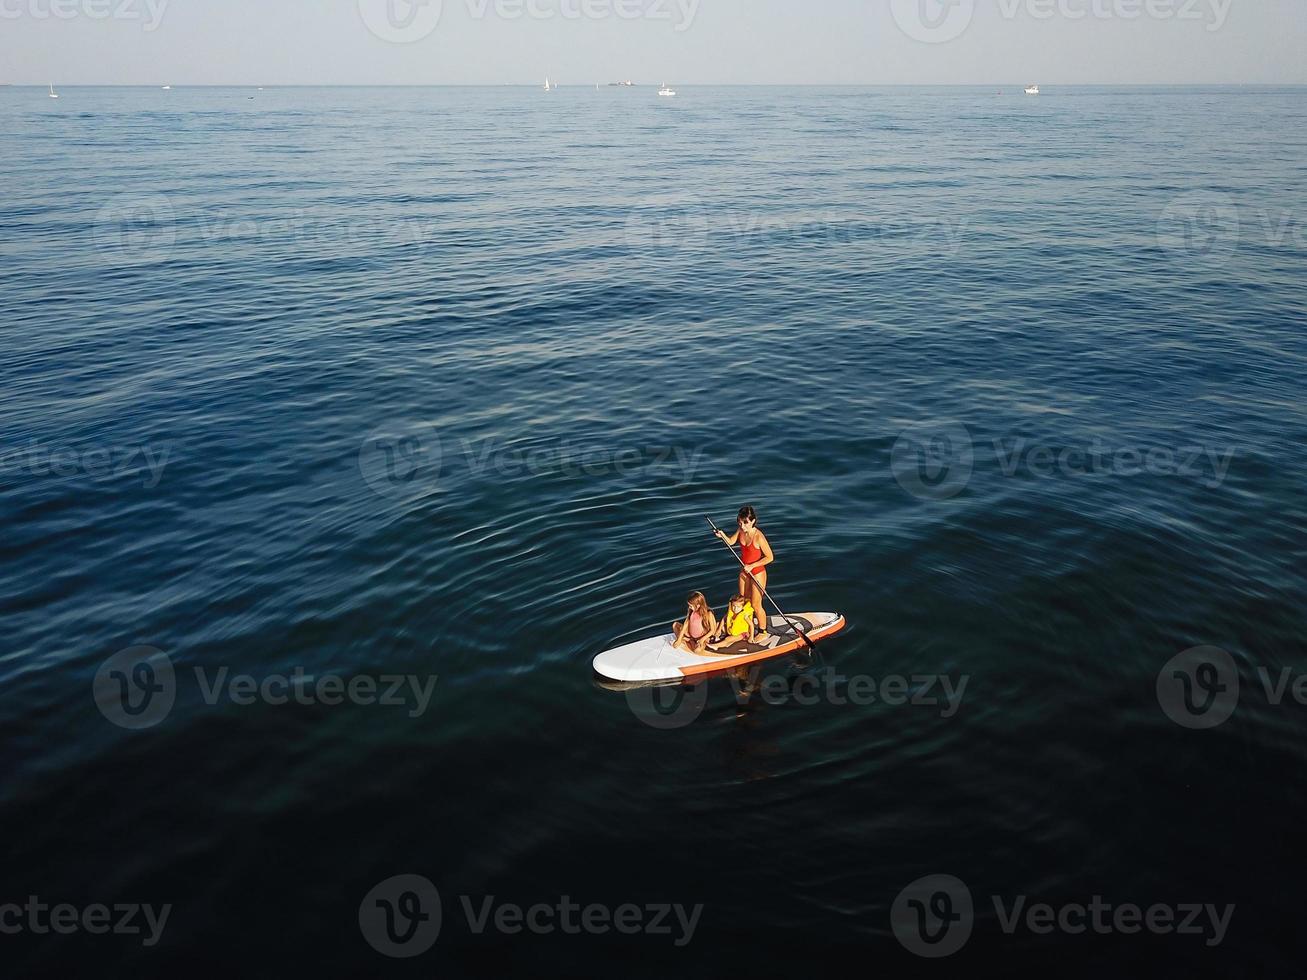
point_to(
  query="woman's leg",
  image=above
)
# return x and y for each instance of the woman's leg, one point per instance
(759, 610)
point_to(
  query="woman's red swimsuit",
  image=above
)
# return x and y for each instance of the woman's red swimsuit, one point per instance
(750, 553)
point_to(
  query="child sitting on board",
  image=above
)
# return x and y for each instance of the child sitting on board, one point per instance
(699, 627)
(736, 627)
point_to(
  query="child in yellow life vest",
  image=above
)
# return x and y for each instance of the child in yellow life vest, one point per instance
(736, 626)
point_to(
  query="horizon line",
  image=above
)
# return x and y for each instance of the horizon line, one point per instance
(1300, 84)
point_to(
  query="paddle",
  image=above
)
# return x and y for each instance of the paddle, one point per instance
(793, 625)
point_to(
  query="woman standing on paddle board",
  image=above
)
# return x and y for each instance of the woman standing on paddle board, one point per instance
(756, 553)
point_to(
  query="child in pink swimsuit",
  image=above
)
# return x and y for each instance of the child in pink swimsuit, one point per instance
(700, 624)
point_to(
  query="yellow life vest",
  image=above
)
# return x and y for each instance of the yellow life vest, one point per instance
(739, 625)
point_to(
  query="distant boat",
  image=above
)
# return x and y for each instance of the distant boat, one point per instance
(167, 88)
(549, 86)
(1032, 90)
(52, 92)
(626, 84)
(667, 90)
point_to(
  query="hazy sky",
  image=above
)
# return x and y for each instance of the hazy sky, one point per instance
(683, 41)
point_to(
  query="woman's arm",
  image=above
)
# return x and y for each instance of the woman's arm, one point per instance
(765, 547)
(732, 539)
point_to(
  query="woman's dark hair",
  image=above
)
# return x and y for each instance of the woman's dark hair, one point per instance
(747, 513)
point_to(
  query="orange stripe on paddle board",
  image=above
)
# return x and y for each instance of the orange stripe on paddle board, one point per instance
(814, 636)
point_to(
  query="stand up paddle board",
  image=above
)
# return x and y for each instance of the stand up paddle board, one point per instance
(655, 660)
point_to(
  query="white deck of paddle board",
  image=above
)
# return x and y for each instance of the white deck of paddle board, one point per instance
(655, 659)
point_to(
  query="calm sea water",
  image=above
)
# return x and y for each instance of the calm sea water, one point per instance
(316, 383)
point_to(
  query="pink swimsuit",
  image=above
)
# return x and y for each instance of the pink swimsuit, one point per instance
(695, 627)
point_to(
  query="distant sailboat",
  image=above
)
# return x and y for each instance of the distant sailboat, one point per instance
(52, 92)
(1032, 90)
(667, 91)
(549, 86)
(167, 88)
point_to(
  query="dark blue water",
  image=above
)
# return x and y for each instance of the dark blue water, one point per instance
(359, 383)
